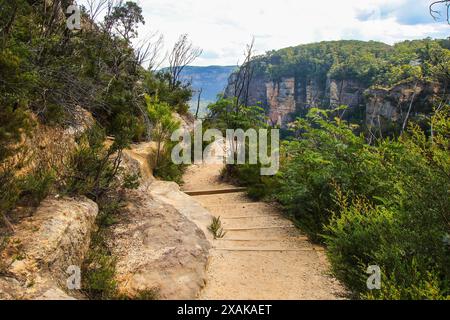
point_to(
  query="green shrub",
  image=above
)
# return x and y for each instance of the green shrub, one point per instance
(99, 271)
(405, 232)
(327, 153)
(36, 186)
(216, 228)
(93, 167)
(130, 181)
(9, 189)
(142, 295)
(420, 285)
(249, 176)
(385, 204)
(166, 169)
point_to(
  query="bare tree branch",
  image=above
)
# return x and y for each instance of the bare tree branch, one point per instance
(95, 8)
(243, 77)
(182, 55)
(147, 51)
(198, 102)
(437, 13)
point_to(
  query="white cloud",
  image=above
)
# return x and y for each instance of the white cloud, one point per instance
(223, 27)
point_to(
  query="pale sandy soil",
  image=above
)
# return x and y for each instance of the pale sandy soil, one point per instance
(262, 256)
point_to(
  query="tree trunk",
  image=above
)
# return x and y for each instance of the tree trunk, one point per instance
(409, 109)
(198, 103)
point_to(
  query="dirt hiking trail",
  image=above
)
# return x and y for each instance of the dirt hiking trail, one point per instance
(262, 256)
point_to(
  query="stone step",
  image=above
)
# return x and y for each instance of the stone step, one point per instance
(284, 239)
(223, 199)
(251, 216)
(244, 205)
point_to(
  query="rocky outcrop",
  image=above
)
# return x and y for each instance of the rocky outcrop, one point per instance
(169, 193)
(161, 242)
(289, 97)
(158, 247)
(345, 92)
(393, 105)
(281, 100)
(38, 255)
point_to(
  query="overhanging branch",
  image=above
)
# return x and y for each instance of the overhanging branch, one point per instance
(438, 12)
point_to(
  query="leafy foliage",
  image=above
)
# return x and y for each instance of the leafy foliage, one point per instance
(370, 63)
(216, 228)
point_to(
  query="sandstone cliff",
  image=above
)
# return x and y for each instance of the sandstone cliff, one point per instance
(287, 98)
(373, 79)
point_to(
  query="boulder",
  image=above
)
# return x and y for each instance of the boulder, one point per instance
(37, 256)
(158, 248)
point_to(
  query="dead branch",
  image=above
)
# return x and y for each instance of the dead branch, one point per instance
(198, 102)
(437, 13)
(147, 51)
(182, 55)
(243, 77)
(95, 8)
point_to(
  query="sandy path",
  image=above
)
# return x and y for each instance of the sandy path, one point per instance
(262, 256)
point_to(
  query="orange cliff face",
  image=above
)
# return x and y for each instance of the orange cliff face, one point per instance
(281, 100)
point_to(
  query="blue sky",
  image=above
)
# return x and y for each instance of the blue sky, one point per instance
(223, 27)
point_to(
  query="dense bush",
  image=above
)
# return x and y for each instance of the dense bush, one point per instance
(164, 124)
(94, 168)
(326, 154)
(407, 234)
(385, 204)
(166, 169)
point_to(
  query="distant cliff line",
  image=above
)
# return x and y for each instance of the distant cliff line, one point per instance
(381, 84)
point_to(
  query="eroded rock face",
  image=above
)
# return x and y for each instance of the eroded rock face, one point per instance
(281, 100)
(158, 248)
(288, 97)
(345, 92)
(393, 104)
(162, 240)
(38, 255)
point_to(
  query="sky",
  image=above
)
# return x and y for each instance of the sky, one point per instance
(222, 28)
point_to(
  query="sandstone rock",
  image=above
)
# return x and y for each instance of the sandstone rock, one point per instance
(81, 121)
(285, 97)
(281, 98)
(158, 248)
(186, 121)
(345, 92)
(137, 161)
(169, 192)
(44, 246)
(392, 104)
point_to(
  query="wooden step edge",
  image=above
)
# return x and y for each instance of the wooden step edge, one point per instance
(292, 239)
(253, 217)
(259, 228)
(214, 192)
(264, 250)
(239, 204)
